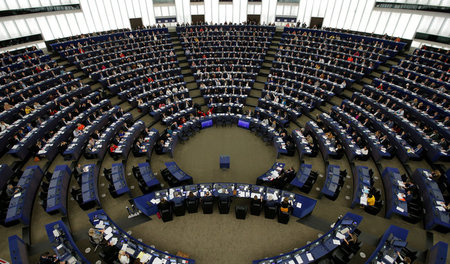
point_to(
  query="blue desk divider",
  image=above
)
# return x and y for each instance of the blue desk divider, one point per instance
(21, 204)
(206, 124)
(438, 253)
(99, 219)
(63, 244)
(319, 248)
(392, 233)
(18, 250)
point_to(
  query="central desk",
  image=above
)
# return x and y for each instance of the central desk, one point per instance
(302, 205)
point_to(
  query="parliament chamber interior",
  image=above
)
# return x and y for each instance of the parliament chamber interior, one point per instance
(224, 131)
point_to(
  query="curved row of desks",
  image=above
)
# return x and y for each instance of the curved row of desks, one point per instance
(320, 247)
(123, 241)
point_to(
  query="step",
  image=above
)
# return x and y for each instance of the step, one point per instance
(261, 79)
(187, 71)
(191, 85)
(264, 71)
(267, 64)
(198, 100)
(251, 101)
(195, 93)
(188, 78)
(390, 62)
(375, 74)
(259, 85)
(347, 94)
(255, 93)
(357, 86)
(184, 64)
(366, 80)
(78, 74)
(383, 68)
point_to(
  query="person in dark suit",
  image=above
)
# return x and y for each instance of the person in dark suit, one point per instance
(46, 258)
(192, 197)
(109, 251)
(207, 198)
(256, 203)
(163, 205)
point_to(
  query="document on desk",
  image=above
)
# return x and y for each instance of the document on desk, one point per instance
(113, 241)
(299, 205)
(363, 200)
(340, 236)
(345, 230)
(144, 257)
(108, 236)
(389, 259)
(157, 261)
(336, 242)
(108, 230)
(124, 247)
(299, 259)
(310, 256)
(100, 225)
(130, 251)
(399, 209)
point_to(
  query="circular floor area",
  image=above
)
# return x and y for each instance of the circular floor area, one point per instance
(223, 239)
(249, 155)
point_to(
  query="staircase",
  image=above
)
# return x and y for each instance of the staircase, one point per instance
(194, 91)
(261, 78)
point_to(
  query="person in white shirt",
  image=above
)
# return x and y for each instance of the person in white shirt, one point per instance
(3, 126)
(123, 257)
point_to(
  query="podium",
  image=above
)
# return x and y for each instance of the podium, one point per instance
(224, 162)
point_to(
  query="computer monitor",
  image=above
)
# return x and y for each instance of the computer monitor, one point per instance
(244, 124)
(399, 243)
(207, 123)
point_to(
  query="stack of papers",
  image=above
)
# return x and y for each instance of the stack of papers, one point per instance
(340, 236)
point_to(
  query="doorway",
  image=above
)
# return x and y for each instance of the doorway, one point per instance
(198, 19)
(254, 18)
(136, 23)
(317, 22)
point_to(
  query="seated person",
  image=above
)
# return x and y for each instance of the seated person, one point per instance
(192, 197)
(285, 205)
(159, 147)
(270, 202)
(112, 148)
(163, 205)
(110, 251)
(10, 190)
(402, 260)
(351, 239)
(207, 198)
(370, 200)
(96, 235)
(123, 257)
(339, 151)
(46, 258)
(256, 202)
